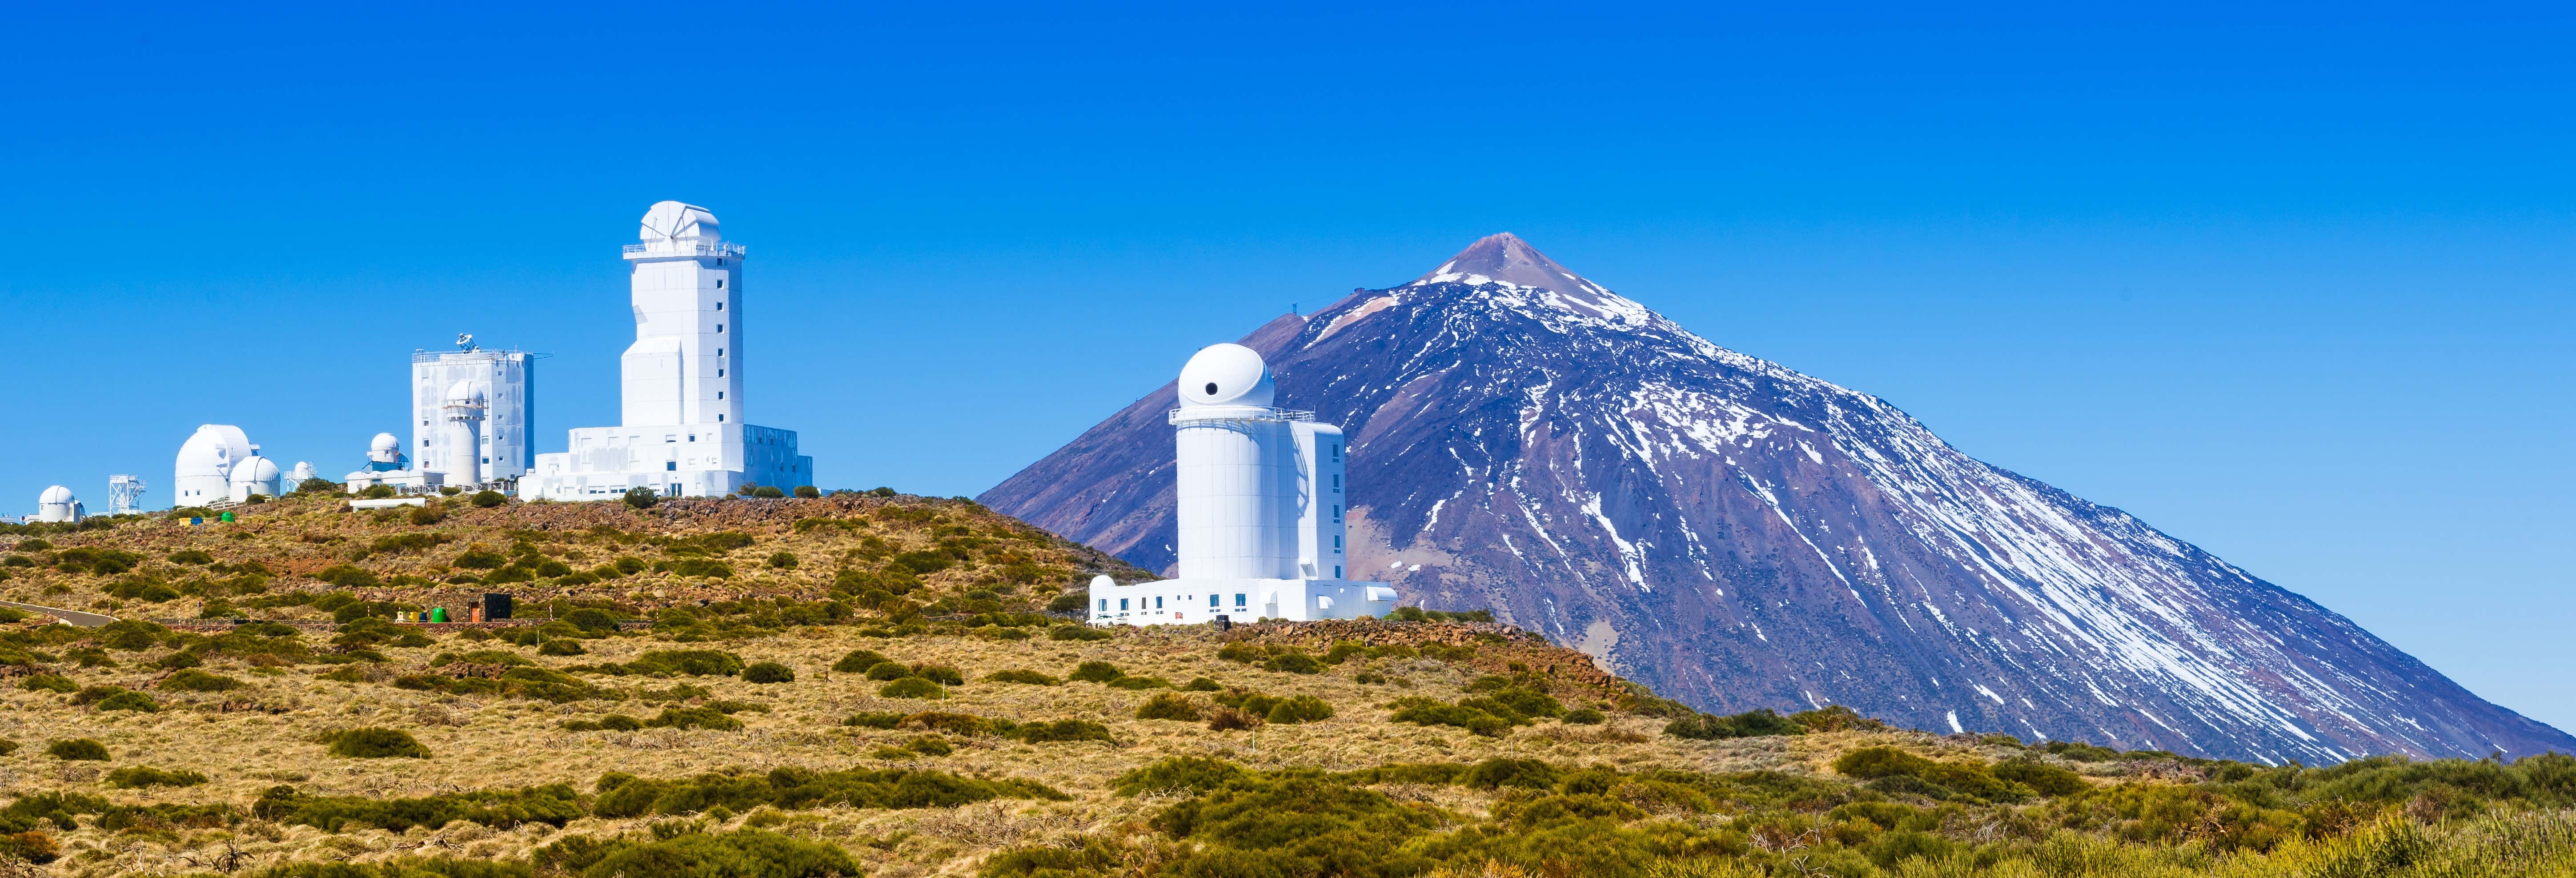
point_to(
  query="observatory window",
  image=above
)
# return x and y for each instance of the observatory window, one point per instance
(719, 327)
(1212, 602)
(1211, 389)
(1337, 571)
(719, 285)
(1337, 543)
(719, 419)
(671, 466)
(719, 394)
(1238, 600)
(1158, 602)
(1337, 453)
(1104, 605)
(719, 352)
(1122, 605)
(1337, 512)
(719, 373)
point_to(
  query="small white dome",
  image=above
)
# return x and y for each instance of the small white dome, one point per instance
(1226, 374)
(55, 494)
(384, 443)
(256, 470)
(670, 220)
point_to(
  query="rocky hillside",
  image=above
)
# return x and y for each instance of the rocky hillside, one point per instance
(866, 685)
(1740, 535)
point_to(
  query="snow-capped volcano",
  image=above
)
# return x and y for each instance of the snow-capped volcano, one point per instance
(1740, 535)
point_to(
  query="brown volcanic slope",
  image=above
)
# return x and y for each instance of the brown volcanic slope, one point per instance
(1737, 534)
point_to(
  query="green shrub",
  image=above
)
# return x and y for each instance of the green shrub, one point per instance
(138, 777)
(858, 662)
(1427, 712)
(1060, 730)
(889, 671)
(1169, 705)
(129, 700)
(193, 680)
(49, 683)
(2047, 780)
(1026, 677)
(1140, 683)
(808, 491)
(1076, 632)
(782, 560)
(1524, 773)
(376, 743)
(1756, 723)
(913, 687)
(1300, 709)
(1095, 672)
(691, 662)
(1069, 602)
(1201, 684)
(615, 722)
(873, 720)
(1870, 763)
(693, 718)
(77, 749)
(1293, 663)
(768, 672)
(552, 805)
(561, 646)
(642, 498)
(941, 674)
(1242, 652)
(191, 556)
(1585, 717)
(1179, 774)
(489, 499)
(790, 788)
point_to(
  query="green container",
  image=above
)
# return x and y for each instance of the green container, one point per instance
(438, 614)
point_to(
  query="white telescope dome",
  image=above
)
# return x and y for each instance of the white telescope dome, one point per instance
(55, 494)
(464, 393)
(670, 220)
(384, 449)
(212, 450)
(256, 470)
(1226, 374)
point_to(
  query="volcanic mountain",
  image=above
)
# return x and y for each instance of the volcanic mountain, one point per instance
(1740, 535)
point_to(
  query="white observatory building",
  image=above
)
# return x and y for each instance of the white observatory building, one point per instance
(385, 466)
(220, 465)
(502, 447)
(57, 504)
(683, 433)
(1260, 509)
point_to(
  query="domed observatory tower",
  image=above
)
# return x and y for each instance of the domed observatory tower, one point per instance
(254, 475)
(682, 381)
(463, 415)
(57, 504)
(385, 466)
(1260, 510)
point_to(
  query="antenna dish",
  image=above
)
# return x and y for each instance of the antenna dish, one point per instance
(465, 341)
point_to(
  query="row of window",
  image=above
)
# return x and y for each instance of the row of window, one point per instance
(1239, 601)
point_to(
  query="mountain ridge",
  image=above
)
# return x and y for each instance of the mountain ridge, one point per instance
(1738, 534)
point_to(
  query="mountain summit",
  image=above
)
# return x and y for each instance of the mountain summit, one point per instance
(1740, 535)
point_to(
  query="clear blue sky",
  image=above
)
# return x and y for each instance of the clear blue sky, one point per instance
(2290, 284)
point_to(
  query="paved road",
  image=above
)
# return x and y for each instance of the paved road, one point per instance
(75, 617)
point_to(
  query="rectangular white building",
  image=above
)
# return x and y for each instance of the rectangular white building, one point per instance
(681, 382)
(508, 380)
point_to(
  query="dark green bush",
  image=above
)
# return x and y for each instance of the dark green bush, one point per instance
(489, 499)
(858, 662)
(1140, 683)
(941, 674)
(1756, 723)
(193, 680)
(1060, 730)
(691, 662)
(889, 671)
(1585, 717)
(561, 646)
(768, 672)
(1095, 672)
(376, 743)
(1026, 677)
(1180, 774)
(138, 777)
(1076, 632)
(1169, 705)
(642, 498)
(552, 805)
(1293, 663)
(77, 749)
(624, 796)
(873, 720)
(1201, 684)
(913, 687)
(693, 718)
(48, 683)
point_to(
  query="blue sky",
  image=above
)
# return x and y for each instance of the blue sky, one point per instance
(2292, 284)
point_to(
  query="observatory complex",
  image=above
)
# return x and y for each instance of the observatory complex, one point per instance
(683, 433)
(57, 504)
(1260, 509)
(220, 465)
(385, 466)
(470, 413)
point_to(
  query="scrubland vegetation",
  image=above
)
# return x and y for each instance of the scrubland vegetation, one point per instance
(873, 685)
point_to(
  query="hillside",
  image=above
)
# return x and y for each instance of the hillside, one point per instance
(1737, 534)
(867, 684)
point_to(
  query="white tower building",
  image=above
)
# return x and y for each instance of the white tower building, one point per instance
(462, 417)
(681, 381)
(57, 504)
(206, 463)
(1260, 509)
(124, 494)
(506, 447)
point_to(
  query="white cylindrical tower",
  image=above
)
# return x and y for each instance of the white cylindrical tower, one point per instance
(57, 504)
(464, 414)
(685, 367)
(1228, 441)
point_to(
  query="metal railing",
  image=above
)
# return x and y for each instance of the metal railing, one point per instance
(687, 248)
(1237, 414)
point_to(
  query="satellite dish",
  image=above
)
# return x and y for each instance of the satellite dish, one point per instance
(465, 340)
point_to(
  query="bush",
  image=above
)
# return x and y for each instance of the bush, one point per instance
(49, 683)
(742, 852)
(1076, 632)
(552, 805)
(1585, 717)
(941, 674)
(193, 680)
(615, 722)
(1169, 705)
(191, 556)
(376, 743)
(1060, 730)
(1096, 672)
(1179, 774)
(489, 499)
(873, 720)
(130, 700)
(1031, 678)
(858, 662)
(1870, 763)
(2047, 780)
(1300, 709)
(693, 718)
(1293, 663)
(782, 560)
(77, 749)
(808, 492)
(642, 498)
(561, 646)
(889, 671)
(768, 672)
(691, 662)
(1498, 773)
(1756, 723)
(913, 687)
(1140, 683)
(138, 777)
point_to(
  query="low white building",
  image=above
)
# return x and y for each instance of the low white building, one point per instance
(683, 433)
(386, 466)
(1260, 508)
